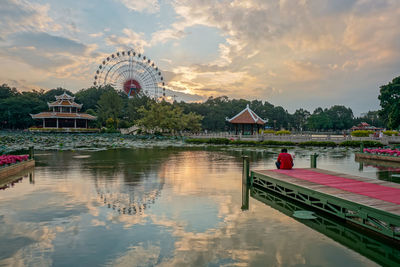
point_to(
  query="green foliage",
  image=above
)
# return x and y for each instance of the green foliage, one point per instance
(269, 131)
(36, 129)
(244, 142)
(215, 141)
(105, 102)
(372, 118)
(6, 91)
(15, 110)
(90, 96)
(390, 133)
(224, 141)
(109, 130)
(319, 143)
(136, 103)
(358, 143)
(361, 133)
(165, 117)
(341, 117)
(390, 102)
(109, 105)
(277, 143)
(111, 123)
(124, 124)
(300, 118)
(283, 132)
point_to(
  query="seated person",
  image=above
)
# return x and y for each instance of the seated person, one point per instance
(285, 160)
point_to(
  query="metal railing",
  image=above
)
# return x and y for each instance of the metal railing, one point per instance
(296, 137)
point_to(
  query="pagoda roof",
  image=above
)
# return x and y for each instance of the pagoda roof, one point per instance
(60, 115)
(64, 103)
(65, 96)
(64, 100)
(247, 116)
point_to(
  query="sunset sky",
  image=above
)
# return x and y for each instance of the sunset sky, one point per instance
(293, 53)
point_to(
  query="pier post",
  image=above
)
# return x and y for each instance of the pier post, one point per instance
(313, 160)
(31, 152)
(245, 183)
(362, 147)
(246, 170)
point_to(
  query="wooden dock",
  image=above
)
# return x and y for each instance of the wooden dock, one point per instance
(370, 203)
(16, 168)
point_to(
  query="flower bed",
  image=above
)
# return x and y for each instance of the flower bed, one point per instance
(383, 151)
(12, 159)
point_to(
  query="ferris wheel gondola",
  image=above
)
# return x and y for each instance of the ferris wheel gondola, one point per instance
(131, 72)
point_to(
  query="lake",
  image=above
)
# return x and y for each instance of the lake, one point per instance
(166, 206)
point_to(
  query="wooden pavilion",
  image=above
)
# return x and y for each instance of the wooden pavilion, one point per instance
(247, 121)
(64, 113)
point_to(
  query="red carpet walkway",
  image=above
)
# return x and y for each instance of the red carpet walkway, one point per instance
(376, 191)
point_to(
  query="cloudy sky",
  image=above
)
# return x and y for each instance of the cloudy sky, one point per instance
(294, 53)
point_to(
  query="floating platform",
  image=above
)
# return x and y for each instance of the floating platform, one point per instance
(16, 168)
(370, 203)
(369, 156)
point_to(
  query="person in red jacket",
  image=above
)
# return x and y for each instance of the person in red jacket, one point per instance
(285, 160)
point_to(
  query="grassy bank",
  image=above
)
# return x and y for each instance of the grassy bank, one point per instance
(225, 141)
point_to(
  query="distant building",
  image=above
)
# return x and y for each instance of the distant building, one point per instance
(63, 113)
(247, 121)
(365, 126)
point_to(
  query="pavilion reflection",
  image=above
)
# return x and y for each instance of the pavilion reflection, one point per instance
(376, 248)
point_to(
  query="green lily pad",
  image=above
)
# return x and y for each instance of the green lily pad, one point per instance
(304, 214)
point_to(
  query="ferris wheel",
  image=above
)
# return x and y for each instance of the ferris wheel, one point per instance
(131, 199)
(131, 72)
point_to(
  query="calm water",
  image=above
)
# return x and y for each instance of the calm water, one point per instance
(168, 207)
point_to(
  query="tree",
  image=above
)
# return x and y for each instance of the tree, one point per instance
(49, 96)
(165, 117)
(299, 118)
(15, 111)
(109, 106)
(341, 117)
(90, 96)
(6, 91)
(319, 120)
(390, 102)
(134, 104)
(372, 118)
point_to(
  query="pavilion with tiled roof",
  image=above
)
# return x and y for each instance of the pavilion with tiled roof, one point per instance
(247, 120)
(64, 113)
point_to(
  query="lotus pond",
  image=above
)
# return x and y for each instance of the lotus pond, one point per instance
(163, 203)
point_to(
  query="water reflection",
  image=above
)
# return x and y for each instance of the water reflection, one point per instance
(385, 170)
(188, 212)
(11, 181)
(374, 247)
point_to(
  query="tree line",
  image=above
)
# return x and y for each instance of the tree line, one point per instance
(115, 110)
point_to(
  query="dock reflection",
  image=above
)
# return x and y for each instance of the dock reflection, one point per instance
(11, 181)
(376, 248)
(385, 170)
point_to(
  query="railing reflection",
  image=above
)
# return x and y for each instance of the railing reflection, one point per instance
(380, 250)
